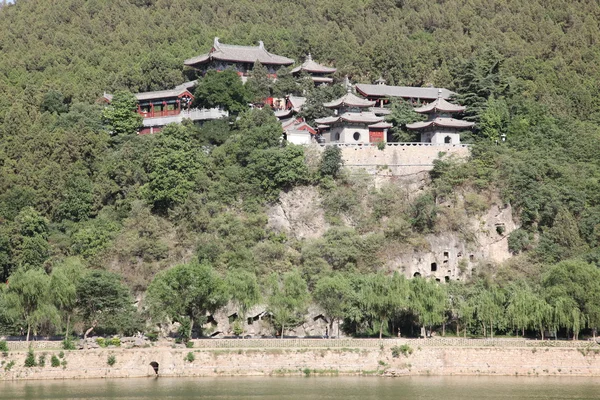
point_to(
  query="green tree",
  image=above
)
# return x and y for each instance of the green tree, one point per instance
(29, 300)
(383, 296)
(285, 84)
(120, 116)
(103, 300)
(259, 83)
(243, 290)
(428, 301)
(63, 286)
(331, 161)
(402, 113)
(175, 168)
(288, 299)
(333, 294)
(222, 89)
(185, 294)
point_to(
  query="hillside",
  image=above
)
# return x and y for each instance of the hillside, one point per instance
(79, 205)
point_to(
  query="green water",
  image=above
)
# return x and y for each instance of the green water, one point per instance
(346, 388)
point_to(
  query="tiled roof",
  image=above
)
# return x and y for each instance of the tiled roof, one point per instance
(161, 94)
(248, 54)
(349, 99)
(311, 66)
(406, 92)
(440, 105)
(297, 102)
(382, 125)
(443, 122)
(361, 118)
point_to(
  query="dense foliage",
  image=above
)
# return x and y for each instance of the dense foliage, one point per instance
(87, 204)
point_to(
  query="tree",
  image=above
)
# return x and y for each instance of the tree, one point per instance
(30, 247)
(120, 116)
(185, 294)
(243, 290)
(490, 308)
(402, 113)
(63, 286)
(382, 296)
(428, 301)
(222, 89)
(29, 300)
(331, 161)
(333, 295)
(259, 83)
(288, 299)
(285, 84)
(175, 169)
(103, 300)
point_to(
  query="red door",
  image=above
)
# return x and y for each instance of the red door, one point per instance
(376, 136)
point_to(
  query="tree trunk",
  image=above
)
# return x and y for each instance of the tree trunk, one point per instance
(191, 328)
(523, 334)
(542, 332)
(85, 335)
(457, 329)
(491, 329)
(484, 330)
(28, 330)
(282, 329)
(444, 329)
(381, 329)
(67, 335)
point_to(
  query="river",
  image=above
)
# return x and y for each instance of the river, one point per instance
(300, 388)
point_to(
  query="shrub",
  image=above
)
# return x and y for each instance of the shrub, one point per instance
(54, 361)
(3, 346)
(111, 360)
(30, 360)
(190, 357)
(9, 365)
(101, 342)
(64, 364)
(68, 344)
(115, 342)
(189, 344)
(152, 336)
(42, 360)
(61, 354)
(404, 349)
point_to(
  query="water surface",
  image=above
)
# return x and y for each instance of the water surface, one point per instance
(297, 388)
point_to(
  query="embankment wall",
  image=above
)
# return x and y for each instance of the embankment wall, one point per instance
(423, 357)
(398, 159)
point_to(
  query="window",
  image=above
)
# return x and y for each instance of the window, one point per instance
(356, 136)
(433, 267)
(416, 275)
(447, 139)
(336, 137)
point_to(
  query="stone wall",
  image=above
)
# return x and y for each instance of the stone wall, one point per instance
(298, 356)
(398, 159)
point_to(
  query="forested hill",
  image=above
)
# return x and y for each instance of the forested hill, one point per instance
(84, 213)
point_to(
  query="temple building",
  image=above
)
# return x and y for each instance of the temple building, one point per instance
(353, 122)
(317, 72)
(169, 106)
(240, 58)
(297, 131)
(440, 127)
(381, 93)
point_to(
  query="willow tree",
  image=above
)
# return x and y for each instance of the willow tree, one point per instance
(288, 299)
(490, 308)
(384, 296)
(185, 294)
(63, 285)
(243, 290)
(428, 301)
(29, 300)
(333, 295)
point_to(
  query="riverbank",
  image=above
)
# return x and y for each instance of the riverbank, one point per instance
(315, 357)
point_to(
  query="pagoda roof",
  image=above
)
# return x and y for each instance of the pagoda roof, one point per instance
(440, 105)
(235, 53)
(349, 99)
(382, 125)
(311, 66)
(157, 95)
(297, 102)
(360, 118)
(442, 122)
(283, 113)
(321, 79)
(297, 125)
(380, 110)
(406, 92)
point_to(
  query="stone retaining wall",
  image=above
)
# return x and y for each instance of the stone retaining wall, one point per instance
(342, 343)
(417, 360)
